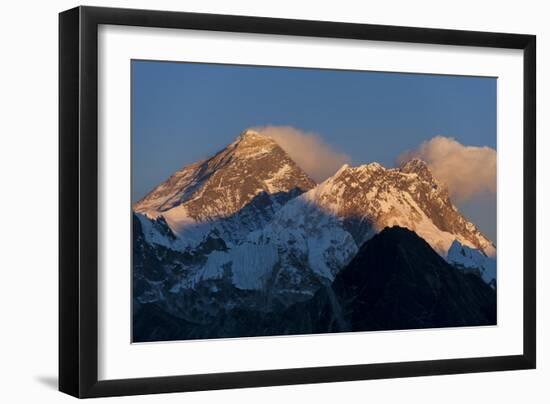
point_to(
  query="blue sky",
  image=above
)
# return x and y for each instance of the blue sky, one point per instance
(182, 112)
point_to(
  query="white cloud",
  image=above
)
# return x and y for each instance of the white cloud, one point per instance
(308, 150)
(467, 171)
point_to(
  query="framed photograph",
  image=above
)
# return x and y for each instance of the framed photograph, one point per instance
(251, 201)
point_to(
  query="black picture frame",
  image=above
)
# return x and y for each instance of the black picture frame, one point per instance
(78, 201)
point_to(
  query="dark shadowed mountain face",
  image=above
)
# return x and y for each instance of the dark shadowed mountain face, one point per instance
(396, 281)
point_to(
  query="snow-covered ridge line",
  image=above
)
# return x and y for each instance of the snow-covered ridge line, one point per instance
(408, 196)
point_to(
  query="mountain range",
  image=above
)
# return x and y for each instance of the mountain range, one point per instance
(231, 243)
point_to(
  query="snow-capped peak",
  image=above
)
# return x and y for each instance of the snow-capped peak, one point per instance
(253, 170)
(250, 133)
(374, 166)
(342, 169)
(374, 197)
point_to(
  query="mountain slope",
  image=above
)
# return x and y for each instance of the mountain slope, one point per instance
(471, 260)
(185, 226)
(234, 192)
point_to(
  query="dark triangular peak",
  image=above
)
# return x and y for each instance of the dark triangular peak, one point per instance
(397, 281)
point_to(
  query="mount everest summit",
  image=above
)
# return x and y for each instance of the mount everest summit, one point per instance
(244, 236)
